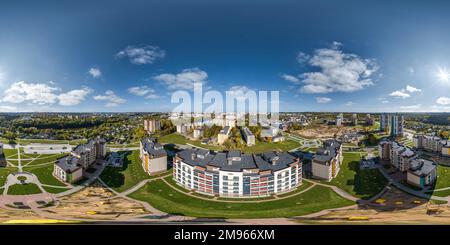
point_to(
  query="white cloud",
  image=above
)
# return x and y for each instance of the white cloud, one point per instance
(302, 57)
(443, 101)
(412, 89)
(322, 100)
(146, 91)
(290, 78)
(350, 103)
(405, 92)
(400, 94)
(74, 97)
(6, 108)
(36, 93)
(338, 71)
(43, 94)
(183, 80)
(385, 101)
(95, 72)
(111, 98)
(142, 55)
(411, 70)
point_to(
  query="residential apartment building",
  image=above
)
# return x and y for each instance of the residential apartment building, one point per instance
(198, 133)
(354, 119)
(223, 135)
(432, 143)
(397, 122)
(419, 172)
(339, 119)
(152, 125)
(68, 170)
(88, 153)
(153, 156)
(385, 122)
(327, 160)
(71, 168)
(235, 174)
(2, 156)
(248, 136)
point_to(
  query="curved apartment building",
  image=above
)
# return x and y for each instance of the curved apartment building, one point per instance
(235, 174)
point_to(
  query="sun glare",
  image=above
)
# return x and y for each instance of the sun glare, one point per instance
(443, 75)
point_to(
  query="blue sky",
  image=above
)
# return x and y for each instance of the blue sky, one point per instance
(362, 56)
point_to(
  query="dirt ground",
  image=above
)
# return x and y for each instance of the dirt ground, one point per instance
(325, 131)
(394, 207)
(97, 202)
(6, 215)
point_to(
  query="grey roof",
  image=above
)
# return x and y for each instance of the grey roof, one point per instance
(153, 148)
(235, 161)
(421, 167)
(247, 131)
(69, 164)
(328, 151)
(225, 130)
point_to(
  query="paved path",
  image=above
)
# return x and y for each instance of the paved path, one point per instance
(409, 190)
(336, 189)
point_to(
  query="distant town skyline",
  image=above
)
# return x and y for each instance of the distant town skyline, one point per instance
(107, 56)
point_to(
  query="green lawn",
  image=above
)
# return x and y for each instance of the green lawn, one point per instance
(360, 183)
(54, 190)
(443, 177)
(4, 172)
(26, 189)
(44, 174)
(161, 196)
(258, 148)
(10, 152)
(266, 146)
(47, 158)
(121, 179)
(176, 138)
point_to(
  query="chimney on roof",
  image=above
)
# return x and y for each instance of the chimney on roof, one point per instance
(193, 156)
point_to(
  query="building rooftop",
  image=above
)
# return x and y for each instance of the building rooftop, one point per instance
(235, 161)
(68, 164)
(421, 167)
(153, 148)
(328, 151)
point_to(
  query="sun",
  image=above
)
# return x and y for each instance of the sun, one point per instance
(443, 75)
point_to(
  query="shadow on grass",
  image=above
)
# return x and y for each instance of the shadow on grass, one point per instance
(114, 177)
(366, 182)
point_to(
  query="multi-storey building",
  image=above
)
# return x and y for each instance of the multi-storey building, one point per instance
(397, 125)
(234, 174)
(420, 172)
(339, 119)
(223, 135)
(2, 156)
(152, 125)
(327, 160)
(153, 156)
(88, 153)
(354, 119)
(198, 133)
(69, 168)
(432, 143)
(384, 149)
(385, 122)
(248, 136)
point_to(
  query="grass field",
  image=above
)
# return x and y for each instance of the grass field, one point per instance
(4, 172)
(161, 196)
(443, 177)
(360, 183)
(26, 189)
(54, 190)
(121, 179)
(42, 159)
(258, 148)
(44, 174)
